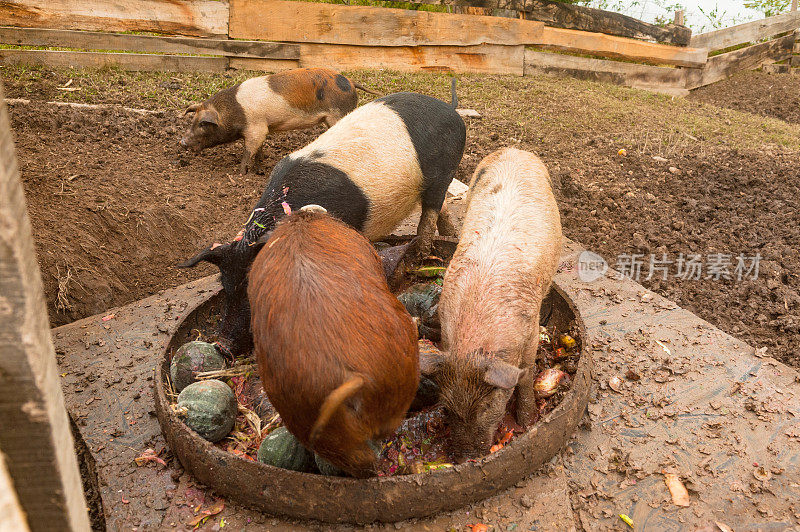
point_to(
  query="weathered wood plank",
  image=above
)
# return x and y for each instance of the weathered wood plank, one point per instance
(280, 20)
(182, 17)
(11, 515)
(749, 32)
(35, 436)
(91, 40)
(486, 58)
(723, 66)
(775, 68)
(172, 63)
(603, 45)
(658, 79)
(568, 16)
(265, 65)
(797, 47)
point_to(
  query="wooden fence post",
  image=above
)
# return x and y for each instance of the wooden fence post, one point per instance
(794, 5)
(34, 429)
(679, 17)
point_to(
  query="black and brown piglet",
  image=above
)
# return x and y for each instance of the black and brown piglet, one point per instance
(294, 99)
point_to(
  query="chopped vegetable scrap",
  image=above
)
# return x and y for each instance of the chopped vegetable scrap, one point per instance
(419, 444)
(679, 493)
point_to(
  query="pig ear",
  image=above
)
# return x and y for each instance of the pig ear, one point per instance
(430, 361)
(502, 374)
(213, 254)
(191, 109)
(209, 116)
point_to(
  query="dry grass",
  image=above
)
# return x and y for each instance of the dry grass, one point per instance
(62, 296)
(538, 113)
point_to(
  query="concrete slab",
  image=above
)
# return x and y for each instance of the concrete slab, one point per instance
(692, 400)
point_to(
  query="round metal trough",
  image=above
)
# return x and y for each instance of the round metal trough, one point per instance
(361, 501)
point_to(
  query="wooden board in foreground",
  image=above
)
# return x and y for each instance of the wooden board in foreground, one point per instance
(94, 40)
(35, 437)
(309, 22)
(749, 32)
(11, 515)
(603, 45)
(723, 66)
(657, 79)
(182, 17)
(171, 63)
(484, 59)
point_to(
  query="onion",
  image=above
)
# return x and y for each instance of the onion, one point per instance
(548, 382)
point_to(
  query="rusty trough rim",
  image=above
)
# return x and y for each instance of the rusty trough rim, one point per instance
(386, 499)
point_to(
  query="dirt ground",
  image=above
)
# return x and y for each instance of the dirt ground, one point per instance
(115, 205)
(755, 92)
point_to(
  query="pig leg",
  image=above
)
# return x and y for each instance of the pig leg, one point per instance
(526, 395)
(420, 246)
(432, 204)
(445, 223)
(330, 120)
(254, 138)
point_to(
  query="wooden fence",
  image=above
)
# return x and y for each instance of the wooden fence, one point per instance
(522, 37)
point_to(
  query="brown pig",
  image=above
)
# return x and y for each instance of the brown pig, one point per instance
(336, 351)
(294, 99)
(493, 288)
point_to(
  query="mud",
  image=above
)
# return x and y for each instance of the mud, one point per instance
(115, 205)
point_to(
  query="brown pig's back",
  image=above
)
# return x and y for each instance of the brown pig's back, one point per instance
(321, 310)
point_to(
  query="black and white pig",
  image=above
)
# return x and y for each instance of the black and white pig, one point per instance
(294, 99)
(370, 170)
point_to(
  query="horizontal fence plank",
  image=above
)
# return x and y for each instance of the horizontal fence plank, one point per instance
(280, 20)
(749, 32)
(55, 58)
(658, 79)
(569, 16)
(264, 65)
(723, 66)
(486, 58)
(90, 40)
(183, 17)
(603, 45)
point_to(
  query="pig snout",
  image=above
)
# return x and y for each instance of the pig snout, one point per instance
(469, 444)
(189, 143)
